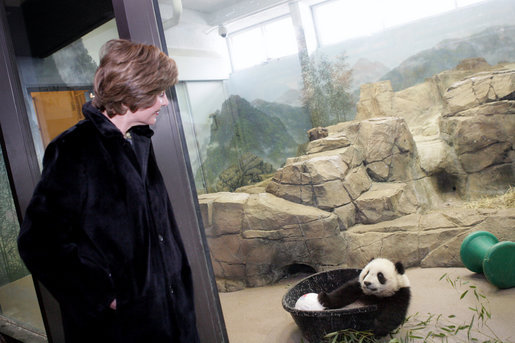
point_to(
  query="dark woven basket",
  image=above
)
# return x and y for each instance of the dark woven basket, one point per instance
(314, 325)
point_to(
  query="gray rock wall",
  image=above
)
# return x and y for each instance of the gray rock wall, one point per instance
(462, 122)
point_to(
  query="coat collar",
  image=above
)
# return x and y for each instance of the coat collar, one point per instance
(106, 127)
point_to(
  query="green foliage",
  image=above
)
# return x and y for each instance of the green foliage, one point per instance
(350, 336)
(433, 328)
(248, 170)
(327, 90)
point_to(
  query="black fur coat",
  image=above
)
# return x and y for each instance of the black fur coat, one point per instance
(100, 226)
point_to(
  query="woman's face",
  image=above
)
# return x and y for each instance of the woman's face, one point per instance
(148, 116)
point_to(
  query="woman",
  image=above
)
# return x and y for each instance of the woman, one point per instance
(99, 232)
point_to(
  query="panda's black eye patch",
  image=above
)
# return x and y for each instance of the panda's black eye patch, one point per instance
(381, 278)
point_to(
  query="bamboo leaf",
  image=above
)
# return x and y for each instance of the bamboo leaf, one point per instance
(461, 327)
(419, 328)
(470, 327)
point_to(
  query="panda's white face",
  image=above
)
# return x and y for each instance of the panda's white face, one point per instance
(382, 278)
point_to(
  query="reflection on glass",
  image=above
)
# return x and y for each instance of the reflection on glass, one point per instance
(263, 42)
(56, 86)
(17, 297)
(248, 48)
(197, 114)
(384, 121)
(280, 38)
(58, 111)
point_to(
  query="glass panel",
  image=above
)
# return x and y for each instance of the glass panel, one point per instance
(306, 156)
(248, 48)
(199, 102)
(57, 86)
(56, 78)
(262, 42)
(335, 21)
(17, 296)
(58, 110)
(280, 38)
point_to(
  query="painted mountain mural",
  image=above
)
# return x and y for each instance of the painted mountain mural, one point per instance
(495, 44)
(296, 119)
(240, 129)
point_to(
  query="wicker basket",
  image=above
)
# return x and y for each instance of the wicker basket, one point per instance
(314, 325)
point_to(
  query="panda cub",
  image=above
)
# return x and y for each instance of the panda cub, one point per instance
(380, 283)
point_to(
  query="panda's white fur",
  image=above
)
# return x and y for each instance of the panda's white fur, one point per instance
(381, 278)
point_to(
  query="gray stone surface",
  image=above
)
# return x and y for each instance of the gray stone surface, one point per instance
(463, 123)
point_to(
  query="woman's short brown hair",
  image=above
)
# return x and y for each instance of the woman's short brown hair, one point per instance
(130, 76)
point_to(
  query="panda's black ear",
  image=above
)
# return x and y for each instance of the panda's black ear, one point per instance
(399, 267)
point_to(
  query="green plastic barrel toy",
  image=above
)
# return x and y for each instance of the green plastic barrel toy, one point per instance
(481, 252)
(499, 265)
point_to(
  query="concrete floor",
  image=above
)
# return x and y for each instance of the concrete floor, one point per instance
(255, 315)
(19, 302)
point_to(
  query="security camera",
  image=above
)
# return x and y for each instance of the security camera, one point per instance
(222, 31)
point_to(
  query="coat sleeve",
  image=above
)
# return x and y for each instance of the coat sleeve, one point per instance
(52, 243)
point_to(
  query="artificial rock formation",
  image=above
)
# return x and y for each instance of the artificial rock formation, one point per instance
(377, 186)
(255, 238)
(463, 123)
(365, 171)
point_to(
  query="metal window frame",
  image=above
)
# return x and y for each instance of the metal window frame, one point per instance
(136, 20)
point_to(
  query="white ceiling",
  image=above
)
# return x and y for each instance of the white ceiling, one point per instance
(225, 11)
(208, 6)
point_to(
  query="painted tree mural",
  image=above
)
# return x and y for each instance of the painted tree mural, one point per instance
(327, 90)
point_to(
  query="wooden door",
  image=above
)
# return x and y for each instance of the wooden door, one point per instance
(57, 111)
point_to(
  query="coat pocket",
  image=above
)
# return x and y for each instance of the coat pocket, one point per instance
(145, 320)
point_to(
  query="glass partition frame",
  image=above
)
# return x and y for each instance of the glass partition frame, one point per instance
(170, 147)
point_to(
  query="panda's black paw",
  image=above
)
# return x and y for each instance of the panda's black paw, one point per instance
(381, 329)
(380, 333)
(323, 299)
